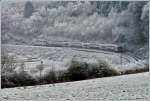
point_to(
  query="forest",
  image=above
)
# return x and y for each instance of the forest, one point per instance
(123, 22)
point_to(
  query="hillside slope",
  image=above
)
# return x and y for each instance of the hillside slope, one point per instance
(132, 87)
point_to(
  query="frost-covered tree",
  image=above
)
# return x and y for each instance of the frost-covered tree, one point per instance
(28, 9)
(95, 21)
(104, 7)
(129, 22)
(145, 22)
(136, 9)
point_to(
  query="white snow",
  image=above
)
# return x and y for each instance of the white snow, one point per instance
(63, 53)
(132, 87)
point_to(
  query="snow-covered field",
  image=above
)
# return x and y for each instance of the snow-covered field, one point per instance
(60, 57)
(61, 53)
(132, 87)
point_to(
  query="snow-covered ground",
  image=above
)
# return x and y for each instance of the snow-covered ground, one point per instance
(61, 53)
(60, 57)
(132, 87)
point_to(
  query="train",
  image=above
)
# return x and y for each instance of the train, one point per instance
(105, 47)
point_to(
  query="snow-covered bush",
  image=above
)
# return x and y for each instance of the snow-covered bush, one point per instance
(6, 82)
(50, 77)
(82, 70)
(77, 71)
(19, 78)
(101, 69)
(8, 66)
(23, 79)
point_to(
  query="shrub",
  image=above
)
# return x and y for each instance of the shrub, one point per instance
(5, 81)
(7, 84)
(50, 77)
(23, 79)
(101, 69)
(82, 70)
(8, 66)
(77, 71)
(62, 76)
(17, 79)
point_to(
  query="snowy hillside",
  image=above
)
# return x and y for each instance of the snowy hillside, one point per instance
(132, 87)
